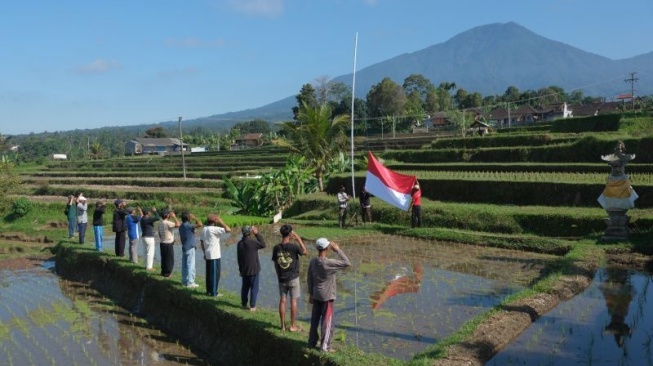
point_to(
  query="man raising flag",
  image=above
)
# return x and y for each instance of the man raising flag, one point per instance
(392, 188)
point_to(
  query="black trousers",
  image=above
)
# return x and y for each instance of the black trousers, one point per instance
(120, 243)
(167, 258)
(416, 216)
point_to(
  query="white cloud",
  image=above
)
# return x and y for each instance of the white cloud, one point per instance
(265, 8)
(98, 66)
(192, 42)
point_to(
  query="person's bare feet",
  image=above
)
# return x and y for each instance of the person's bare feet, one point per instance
(295, 329)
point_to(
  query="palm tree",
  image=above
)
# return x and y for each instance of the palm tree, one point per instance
(316, 136)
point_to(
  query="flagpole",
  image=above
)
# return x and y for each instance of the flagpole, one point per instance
(353, 97)
(353, 185)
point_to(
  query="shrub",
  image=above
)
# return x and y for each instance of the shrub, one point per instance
(21, 207)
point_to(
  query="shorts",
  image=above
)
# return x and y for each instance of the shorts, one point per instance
(291, 287)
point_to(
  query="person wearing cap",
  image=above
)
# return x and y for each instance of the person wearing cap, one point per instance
(132, 220)
(321, 281)
(285, 256)
(167, 237)
(150, 216)
(210, 240)
(343, 199)
(416, 206)
(71, 215)
(98, 224)
(82, 217)
(119, 226)
(187, 236)
(249, 265)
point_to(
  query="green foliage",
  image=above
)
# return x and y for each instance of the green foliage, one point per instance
(20, 208)
(9, 179)
(273, 191)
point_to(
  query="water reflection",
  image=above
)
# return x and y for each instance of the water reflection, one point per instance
(402, 283)
(609, 324)
(618, 293)
(46, 320)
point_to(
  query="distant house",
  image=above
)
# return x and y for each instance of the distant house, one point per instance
(199, 149)
(247, 141)
(59, 157)
(147, 145)
(555, 111)
(438, 119)
(594, 108)
(478, 127)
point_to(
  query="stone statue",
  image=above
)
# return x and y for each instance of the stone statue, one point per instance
(618, 196)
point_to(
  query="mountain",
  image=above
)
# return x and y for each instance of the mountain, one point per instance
(486, 59)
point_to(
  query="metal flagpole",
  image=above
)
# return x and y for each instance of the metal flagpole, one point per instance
(353, 185)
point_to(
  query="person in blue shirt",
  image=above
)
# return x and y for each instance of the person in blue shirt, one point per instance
(187, 235)
(133, 231)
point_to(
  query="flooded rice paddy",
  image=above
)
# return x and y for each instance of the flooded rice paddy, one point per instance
(610, 323)
(45, 320)
(400, 296)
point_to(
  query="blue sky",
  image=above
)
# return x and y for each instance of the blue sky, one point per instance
(75, 64)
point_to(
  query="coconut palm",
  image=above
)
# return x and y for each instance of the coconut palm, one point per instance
(316, 136)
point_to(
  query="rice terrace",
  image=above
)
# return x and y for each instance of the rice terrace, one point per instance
(514, 263)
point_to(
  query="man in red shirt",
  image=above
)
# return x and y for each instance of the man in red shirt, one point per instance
(416, 206)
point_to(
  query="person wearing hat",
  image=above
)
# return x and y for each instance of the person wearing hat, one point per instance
(285, 256)
(366, 206)
(119, 226)
(98, 224)
(167, 237)
(82, 217)
(132, 220)
(321, 281)
(343, 199)
(150, 216)
(416, 206)
(249, 265)
(210, 241)
(71, 215)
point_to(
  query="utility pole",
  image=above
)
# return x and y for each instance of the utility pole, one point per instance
(181, 142)
(632, 80)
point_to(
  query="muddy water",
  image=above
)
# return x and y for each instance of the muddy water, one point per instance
(401, 294)
(610, 323)
(45, 320)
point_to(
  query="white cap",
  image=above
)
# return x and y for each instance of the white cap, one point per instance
(322, 243)
(81, 198)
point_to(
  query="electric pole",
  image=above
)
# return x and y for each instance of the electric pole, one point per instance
(632, 80)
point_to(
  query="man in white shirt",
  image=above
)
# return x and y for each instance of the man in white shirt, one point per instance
(210, 241)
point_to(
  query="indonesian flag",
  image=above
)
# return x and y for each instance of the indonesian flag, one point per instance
(392, 188)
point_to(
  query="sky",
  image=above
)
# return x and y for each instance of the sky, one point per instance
(83, 64)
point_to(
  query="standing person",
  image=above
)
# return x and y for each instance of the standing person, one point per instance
(286, 263)
(210, 240)
(82, 217)
(133, 231)
(249, 265)
(416, 206)
(187, 236)
(119, 226)
(147, 227)
(366, 206)
(167, 237)
(98, 224)
(343, 199)
(321, 280)
(71, 214)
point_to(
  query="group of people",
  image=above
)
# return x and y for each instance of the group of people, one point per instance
(366, 207)
(320, 279)
(136, 224)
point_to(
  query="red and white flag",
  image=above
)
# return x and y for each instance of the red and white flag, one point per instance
(392, 188)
